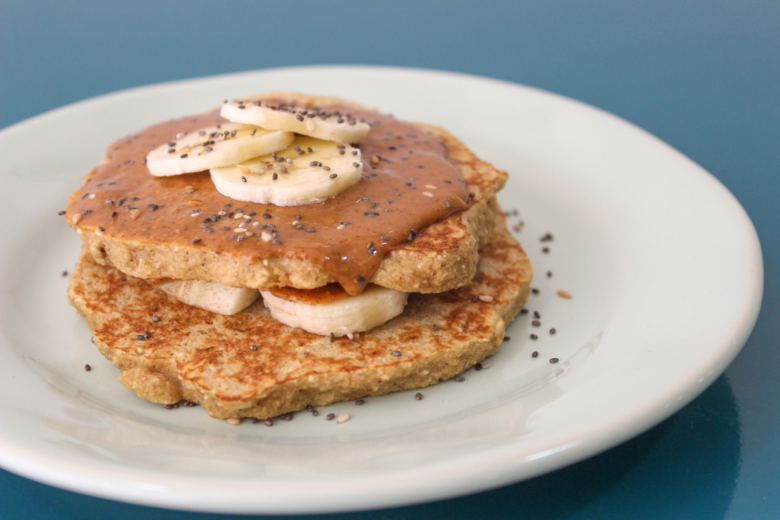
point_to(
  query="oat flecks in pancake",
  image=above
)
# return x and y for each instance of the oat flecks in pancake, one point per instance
(206, 358)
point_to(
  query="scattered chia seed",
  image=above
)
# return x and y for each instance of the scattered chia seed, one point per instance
(359, 402)
(87, 368)
(534, 354)
(554, 360)
(330, 416)
(460, 379)
(418, 396)
(478, 367)
(534, 336)
(552, 331)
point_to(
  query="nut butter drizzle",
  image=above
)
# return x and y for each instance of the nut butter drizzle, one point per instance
(408, 183)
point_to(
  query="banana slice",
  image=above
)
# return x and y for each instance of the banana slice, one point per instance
(210, 296)
(308, 171)
(213, 147)
(311, 121)
(369, 309)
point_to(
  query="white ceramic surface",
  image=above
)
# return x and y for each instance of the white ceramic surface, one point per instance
(663, 263)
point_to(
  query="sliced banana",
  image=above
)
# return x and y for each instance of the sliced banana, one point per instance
(308, 171)
(213, 147)
(311, 121)
(210, 296)
(369, 309)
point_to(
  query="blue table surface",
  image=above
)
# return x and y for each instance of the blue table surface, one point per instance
(702, 75)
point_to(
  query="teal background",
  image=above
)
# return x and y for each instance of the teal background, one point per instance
(702, 75)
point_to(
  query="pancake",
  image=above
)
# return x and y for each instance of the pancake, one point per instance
(250, 365)
(142, 225)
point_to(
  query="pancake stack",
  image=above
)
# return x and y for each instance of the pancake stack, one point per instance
(419, 219)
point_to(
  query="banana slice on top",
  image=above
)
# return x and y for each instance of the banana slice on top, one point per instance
(311, 121)
(341, 315)
(306, 172)
(213, 147)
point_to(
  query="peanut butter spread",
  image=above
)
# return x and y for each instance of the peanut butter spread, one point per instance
(408, 184)
(331, 292)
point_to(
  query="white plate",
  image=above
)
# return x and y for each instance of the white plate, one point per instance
(663, 263)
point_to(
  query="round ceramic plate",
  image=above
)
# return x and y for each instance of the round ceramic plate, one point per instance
(663, 264)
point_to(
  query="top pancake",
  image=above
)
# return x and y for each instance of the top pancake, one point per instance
(152, 235)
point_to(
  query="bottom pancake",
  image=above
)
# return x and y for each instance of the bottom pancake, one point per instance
(250, 365)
